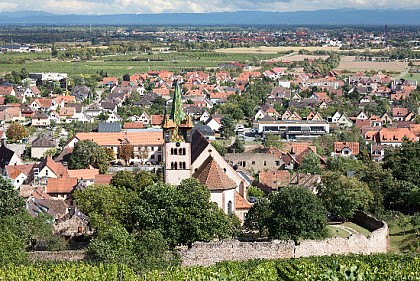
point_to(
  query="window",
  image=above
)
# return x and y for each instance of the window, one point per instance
(253, 162)
(230, 208)
(265, 163)
(277, 163)
(174, 165)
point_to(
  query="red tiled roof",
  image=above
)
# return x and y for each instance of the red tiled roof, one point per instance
(275, 178)
(114, 139)
(211, 174)
(84, 174)
(240, 202)
(394, 135)
(133, 125)
(157, 119)
(60, 185)
(353, 146)
(103, 179)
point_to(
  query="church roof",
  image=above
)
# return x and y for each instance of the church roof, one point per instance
(5, 156)
(213, 176)
(198, 144)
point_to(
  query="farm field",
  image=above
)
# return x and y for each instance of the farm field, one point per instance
(118, 65)
(275, 50)
(348, 63)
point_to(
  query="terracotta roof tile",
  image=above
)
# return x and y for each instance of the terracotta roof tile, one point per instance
(133, 125)
(240, 202)
(274, 179)
(114, 139)
(60, 185)
(353, 146)
(84, 174)
(212, 175)
(103, 179)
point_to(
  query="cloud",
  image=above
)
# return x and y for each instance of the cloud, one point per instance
(194, 6)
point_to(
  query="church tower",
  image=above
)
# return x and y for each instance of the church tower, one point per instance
(177, 147)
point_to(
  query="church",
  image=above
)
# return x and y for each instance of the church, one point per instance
(187, 153)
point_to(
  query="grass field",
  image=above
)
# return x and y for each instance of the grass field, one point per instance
(412, 76)
(121, 64)
(403, 239)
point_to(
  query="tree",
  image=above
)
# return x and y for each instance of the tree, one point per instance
(257, 216)
(342, 195)
(404, 162)
(306, 220)
(237, 146)
(220, 148)
(87, 153)
(126, 152)
(256, 192)
(228, 128)
(310, 164)
(126, 77)
(183, 213)
(272, 140)
(11, 99)
(16, 132)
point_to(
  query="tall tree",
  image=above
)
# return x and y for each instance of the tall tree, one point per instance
(310, 164)
(228, 127)
(306, 220)
(87, 153)
(343, 195)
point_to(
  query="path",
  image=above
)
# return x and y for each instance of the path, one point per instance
(349, 230)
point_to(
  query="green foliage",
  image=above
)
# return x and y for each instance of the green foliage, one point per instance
(343, 195)
(219, 147)
(10, 99)
(183, 214)
(404, 162)
(310, 164)
(272, 140)
(256, 192)
(343, 165)
(326, 268)
(228, 127)
(237, 147)
(256, 218)
(306, 220)
(87, 153)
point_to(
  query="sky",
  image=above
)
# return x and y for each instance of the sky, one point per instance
(194, 6)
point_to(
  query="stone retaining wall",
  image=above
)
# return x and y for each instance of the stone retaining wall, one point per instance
(212, 252)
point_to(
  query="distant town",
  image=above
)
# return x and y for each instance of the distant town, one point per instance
(191, 146)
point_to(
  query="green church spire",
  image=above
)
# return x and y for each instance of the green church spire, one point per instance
(177, 113)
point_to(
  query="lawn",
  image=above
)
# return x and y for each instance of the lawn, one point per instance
(412, 76)
(334, 232)
(403, 239)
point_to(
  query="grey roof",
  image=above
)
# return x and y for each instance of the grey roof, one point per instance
(204, 129)
(40, 114)
(109, 127)
(5, 156)
(43, 141)
(108, 105)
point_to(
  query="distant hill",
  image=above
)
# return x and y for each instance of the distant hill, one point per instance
(319, 17)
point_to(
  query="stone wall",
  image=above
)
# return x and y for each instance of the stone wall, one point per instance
(70, 255)
(203, 253)
(212, 252)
